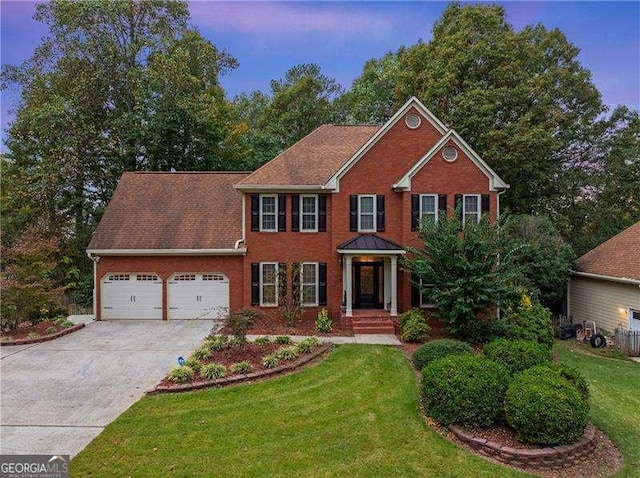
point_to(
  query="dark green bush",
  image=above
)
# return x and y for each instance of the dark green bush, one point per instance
(466, 390)
(413, 326)
(517, 355)
(544, 408)
(485, 331)
(437, 349)
(574, 377)
(531, 322)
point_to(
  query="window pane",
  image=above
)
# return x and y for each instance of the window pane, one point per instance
(428, 204)
(308, 273)
(269, 294)
(366, 221)
(268, 273)
(268, 204)
(309, 205)
(471, 209)
(268, 222)
(309, 294)
(366, 205)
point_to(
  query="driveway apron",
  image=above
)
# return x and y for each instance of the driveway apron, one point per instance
(57, 396)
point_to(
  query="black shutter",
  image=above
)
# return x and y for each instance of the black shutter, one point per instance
(322, 283)
(295, 212)
(458, 204)
(353, 212)
(415, 290)
(322, 213)
(380, 212)
(442, 204)
(255, 283)
(282, 212)
(296, 271)
(255, 212)
(415, 212)
(484, 204)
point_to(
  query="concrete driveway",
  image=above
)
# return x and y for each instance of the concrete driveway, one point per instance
(57, 396)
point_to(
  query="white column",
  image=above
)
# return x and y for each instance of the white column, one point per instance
(348, 288)
(394, 285)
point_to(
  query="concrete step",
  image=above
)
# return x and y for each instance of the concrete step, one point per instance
(372, 326)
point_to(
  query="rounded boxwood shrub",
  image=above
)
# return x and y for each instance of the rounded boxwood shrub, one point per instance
(517, 355)
(531, 321)
(574, 377)
(544, 408)
(438, 349)
(466, 390)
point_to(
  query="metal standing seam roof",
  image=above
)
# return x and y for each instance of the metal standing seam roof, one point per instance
(369, 242)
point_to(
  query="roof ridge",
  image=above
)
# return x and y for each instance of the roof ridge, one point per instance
(187, 172)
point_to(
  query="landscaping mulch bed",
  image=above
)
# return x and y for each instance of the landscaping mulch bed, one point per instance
(277, 326)
(21, 336)
(250, 352)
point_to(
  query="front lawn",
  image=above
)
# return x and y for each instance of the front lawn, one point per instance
(615, 400)
(354, 414)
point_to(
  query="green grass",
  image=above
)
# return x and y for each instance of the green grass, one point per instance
(354, 414)
(615, 400)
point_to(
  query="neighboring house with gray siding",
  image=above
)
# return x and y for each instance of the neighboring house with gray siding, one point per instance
(605, 285)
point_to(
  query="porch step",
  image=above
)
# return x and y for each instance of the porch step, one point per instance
(372, 325)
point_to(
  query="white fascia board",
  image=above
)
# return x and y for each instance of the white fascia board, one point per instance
(261, 188)
(167, 252)
(495, 182)
(371, 253)
(622, 280)
(333, 182)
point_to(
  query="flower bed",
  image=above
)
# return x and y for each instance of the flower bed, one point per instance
(235, 363)
(42, 332)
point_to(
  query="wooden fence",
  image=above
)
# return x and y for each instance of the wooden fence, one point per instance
(627, 342)
(560, 321)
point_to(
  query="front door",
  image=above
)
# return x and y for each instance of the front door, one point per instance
(367, 285)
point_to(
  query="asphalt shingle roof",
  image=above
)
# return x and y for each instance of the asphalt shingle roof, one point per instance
(172, 211)
(313, 159)
(617, 257)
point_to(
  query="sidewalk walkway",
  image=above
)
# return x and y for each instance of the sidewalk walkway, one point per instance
(371, 339)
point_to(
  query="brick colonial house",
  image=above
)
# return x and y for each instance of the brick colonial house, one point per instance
(339, 208)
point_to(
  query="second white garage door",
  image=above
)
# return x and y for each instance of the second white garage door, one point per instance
(198, 296)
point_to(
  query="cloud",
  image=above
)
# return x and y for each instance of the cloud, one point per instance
(286, 18)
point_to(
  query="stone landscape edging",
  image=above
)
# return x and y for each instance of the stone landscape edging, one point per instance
(43, 338)
(223, 382)
(547, 458)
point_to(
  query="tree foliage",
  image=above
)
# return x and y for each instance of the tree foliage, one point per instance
(114, 87)
(470, 271)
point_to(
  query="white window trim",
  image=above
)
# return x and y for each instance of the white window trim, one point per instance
(435, 202)
(464, 207)
(315, 198)
(375, 213)
(422, 305)
(275, 222)
(317, 284)
(262, 303)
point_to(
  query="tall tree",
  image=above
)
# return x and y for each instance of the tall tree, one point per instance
(521, 99)
(300, 102)
(115, 86)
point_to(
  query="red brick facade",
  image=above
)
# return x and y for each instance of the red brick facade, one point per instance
(394, 153)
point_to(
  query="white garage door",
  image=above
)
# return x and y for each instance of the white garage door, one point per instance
(198, 296)
(131, 296)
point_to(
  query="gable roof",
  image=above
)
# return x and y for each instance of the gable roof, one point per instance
(495, 182)
(413, 102)
(311, 161)
(619, 257)
(171, 211)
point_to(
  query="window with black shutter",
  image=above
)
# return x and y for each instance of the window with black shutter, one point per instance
(255, 212)
(295, 212)
(282, 212)
(255, 283)
(353, 212)
(442, 204)
(322, 213)
(415, 212)
(415, 290)
(380, 213)
(322, 283)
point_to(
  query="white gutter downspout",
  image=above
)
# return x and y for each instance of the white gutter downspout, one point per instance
(237, 246)
(95, 260)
